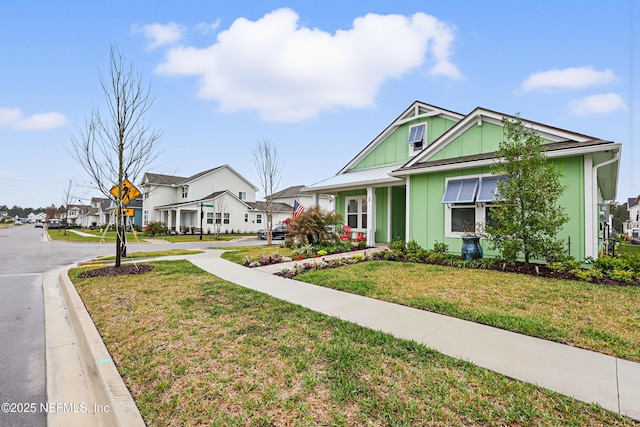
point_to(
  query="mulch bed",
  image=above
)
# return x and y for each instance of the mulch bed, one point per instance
(117, 271)
(542, 270)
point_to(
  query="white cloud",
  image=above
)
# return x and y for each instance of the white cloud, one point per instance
(290, 73)
(569, 78)
(205, 28)
(12, 118)
(159, 34)
(597, 104)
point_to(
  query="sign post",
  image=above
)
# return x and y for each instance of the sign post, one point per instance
(124, 193)
(202, 217)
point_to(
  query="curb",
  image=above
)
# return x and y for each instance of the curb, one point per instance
(83, 384)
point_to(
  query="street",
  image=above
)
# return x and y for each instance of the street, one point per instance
(25, 257)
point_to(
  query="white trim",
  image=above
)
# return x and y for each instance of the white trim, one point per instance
(579, 151)
(407, 225)
(594, 179)
(389, 200)
(359, 212)
(589, 214)
(547, 132)
(410, 114)
(371, 216)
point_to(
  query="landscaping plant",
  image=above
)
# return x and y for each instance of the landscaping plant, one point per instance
(528, 217)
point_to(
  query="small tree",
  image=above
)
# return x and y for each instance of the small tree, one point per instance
(528, 218)
(117, 145)
(269, 170)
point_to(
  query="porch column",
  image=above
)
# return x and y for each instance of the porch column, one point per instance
(178, 221)
(371, 215)
(169, 219)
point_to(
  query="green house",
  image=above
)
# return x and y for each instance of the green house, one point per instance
(428, 174)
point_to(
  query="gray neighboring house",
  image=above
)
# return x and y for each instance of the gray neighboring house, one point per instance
(291, 194)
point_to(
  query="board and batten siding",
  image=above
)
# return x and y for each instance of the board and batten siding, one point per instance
(427, 212)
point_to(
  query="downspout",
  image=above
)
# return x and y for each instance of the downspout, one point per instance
(594, 192)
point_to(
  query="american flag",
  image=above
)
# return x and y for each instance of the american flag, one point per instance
(297, 209)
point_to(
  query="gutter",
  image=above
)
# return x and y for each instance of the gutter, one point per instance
(593, 232)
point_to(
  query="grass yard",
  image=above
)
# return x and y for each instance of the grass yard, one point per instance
(155, 254)
(237, 254)
(110, 236)
(628, 249)
(196, 350)
(601, 318)
(179, 238)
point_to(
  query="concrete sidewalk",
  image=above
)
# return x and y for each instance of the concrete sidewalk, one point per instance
(585, 375)
(78, 364)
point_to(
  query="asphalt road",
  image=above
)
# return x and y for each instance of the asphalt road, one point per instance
(25, 257)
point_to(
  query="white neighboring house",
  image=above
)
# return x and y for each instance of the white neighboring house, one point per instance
(306, 199)
(37, 217)
(632, 225)
(225, 199)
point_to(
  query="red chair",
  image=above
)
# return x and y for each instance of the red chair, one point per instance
(345, 235)
(361, 236)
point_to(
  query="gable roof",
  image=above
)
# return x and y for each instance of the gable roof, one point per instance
(479, 115)
(172, 180)
(289, 192)
(417, 110)
(277, 207)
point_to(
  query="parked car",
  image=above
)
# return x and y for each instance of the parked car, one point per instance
(277, 232)
(54, 223)
(17, 222)
(38, 224)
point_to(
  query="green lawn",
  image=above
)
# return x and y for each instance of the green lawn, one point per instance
(110, 236)
(196, 350)
(238, 253)
(629, 249)
(596, 317)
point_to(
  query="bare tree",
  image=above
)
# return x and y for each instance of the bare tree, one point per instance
(269, 169)
(118, 145)
(67, 196)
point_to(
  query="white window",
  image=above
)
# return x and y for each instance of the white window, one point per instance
(416, 138)
(145, 217)
(209, 217)
(246, 217)
(259, 218)
(242, 195)
(218, 218)
(356, 214)
(185, 191)
(227, 218)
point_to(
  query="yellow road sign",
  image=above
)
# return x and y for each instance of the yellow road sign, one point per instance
(127, 212)
(128, 193)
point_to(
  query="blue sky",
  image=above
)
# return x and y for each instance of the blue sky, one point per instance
(319, 80)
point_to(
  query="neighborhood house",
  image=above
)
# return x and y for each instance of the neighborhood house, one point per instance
(428, 174)
(218, 200)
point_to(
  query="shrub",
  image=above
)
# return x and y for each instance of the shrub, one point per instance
(413, 247)
(397, 246)
(313, 226)
(322, 252)
(625, 276)
(154, 228)
(440, 248)
(589, 274)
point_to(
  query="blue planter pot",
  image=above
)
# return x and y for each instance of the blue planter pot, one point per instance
(471, 248)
